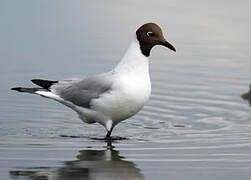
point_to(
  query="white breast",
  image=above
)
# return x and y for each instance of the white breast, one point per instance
(131, 88)
(134, 91)
(127, 97)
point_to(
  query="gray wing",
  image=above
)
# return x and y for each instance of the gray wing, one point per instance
(81, 92)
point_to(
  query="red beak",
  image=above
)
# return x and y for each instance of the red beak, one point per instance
(168, 45)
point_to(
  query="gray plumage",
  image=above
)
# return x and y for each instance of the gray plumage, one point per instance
(81, 92)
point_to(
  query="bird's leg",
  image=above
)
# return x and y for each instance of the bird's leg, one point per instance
(108, 135)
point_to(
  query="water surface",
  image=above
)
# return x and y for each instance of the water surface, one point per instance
(195, 126)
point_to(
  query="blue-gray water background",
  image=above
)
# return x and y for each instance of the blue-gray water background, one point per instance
(195, 126)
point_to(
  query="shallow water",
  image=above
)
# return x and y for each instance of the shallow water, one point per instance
(195, 126)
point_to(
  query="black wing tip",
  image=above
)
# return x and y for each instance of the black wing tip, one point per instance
(19, 89)
(34, 80)
(43, 83)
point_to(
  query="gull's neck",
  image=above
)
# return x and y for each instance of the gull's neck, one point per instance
(133, 61)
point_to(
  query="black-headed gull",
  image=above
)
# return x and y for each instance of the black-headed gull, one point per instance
(114, 96)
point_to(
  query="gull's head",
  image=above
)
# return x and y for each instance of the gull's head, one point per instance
(149, 35)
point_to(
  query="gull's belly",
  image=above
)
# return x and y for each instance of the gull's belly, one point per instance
(128, 104)
(124, 101)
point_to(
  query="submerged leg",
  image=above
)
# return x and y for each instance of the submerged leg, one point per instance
(109, 128)
(108, 135)
(108, 139)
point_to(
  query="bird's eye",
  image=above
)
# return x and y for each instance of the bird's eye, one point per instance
(150, 34)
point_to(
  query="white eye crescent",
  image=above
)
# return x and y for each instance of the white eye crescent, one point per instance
(149, 34)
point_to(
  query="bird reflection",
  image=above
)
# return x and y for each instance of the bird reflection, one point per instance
(90, 165)
(247, 96)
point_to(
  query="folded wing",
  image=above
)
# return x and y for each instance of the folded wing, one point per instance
(81, 92)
